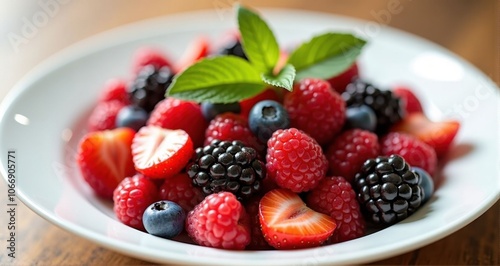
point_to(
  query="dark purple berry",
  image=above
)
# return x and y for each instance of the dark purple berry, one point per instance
(361, 117)
(131, 116)
(164, 219)
(211, 110)
(388, 190)
(266, 117)
(427, 183)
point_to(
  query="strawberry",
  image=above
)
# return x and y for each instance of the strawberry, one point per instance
(194, 52)
(115, 89)
(287, 223)
(105, 159)
(161, 153)
(438, 135)
(173, 113)
(409, 99)
(103, 116)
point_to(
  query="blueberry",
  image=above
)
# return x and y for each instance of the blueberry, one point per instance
(361, 117)
(131, 116)
(427, 183)
(211, 110)
(266, 117)
(164, 219)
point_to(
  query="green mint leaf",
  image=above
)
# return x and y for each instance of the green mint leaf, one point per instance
(326, 55)
(223, 79)
(284, 79)
(258, 40)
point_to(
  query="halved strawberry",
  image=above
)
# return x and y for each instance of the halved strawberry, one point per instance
(197, 50)
(410, 100)
(287, 223)
(161, 153)
(438, 135)
(105, 159)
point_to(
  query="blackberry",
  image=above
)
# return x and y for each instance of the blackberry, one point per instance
(385, 104)
(227, 166)
(149, 86)
(233, 48)
(388, 190)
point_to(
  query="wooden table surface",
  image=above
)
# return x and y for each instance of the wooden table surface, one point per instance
(470, 29)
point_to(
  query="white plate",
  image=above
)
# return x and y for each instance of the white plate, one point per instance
(43, 118)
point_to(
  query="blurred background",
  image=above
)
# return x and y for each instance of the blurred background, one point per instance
(31, 31)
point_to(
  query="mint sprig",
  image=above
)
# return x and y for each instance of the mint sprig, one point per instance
(226, 79)
(258, 41)
(326, 55)
(284, 79)
(223, 79)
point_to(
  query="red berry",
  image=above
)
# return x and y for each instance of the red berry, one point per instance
(173, 113)
(340, 81)
(409, 99)
(149, 56)
(115, 89)
(316, 109)
(219, 221)
(103, 117)
(287, 223)
(197, 50)
(161, 153)
(350, 150)
(180, 189)
(334, 196)
(105, 159)
(258, 242)
(228, 127)
(438, 135)
(413, 150)
(295, 160)
(247, 104)
(132, 196)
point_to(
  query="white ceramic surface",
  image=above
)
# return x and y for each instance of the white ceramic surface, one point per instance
(43, 118)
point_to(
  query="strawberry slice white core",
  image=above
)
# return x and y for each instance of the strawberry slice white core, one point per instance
(159, 153)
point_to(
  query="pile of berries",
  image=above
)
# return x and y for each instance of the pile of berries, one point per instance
(280, 170)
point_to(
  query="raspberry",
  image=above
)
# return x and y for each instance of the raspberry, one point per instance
(114, 89)
(409, 99)
(180, 190)
(149, 56)
(334, 196)
(229, 126)
(414, 151)
(227, 166)
(258, 242)
(132, 196)
(219, 221)
(350, 150)
(173, 113)
(315, 108)
(103, 116)
(295, 160)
